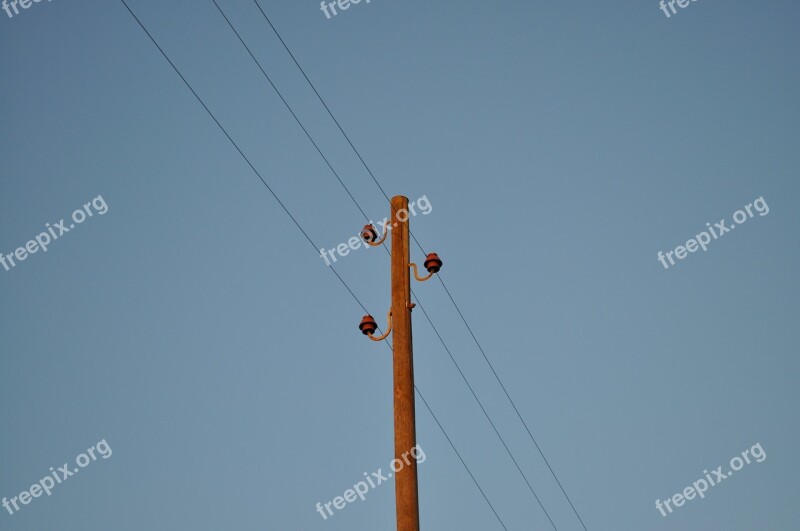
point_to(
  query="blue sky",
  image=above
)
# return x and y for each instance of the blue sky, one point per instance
(561, 147)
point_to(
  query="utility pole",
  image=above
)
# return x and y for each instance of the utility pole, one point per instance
(405, 431)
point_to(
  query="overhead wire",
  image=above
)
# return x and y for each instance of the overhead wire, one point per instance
(297, 224)
(460, 371)
(441, 280)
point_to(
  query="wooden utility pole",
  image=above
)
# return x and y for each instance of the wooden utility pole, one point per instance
(405, 430)
(399, 325)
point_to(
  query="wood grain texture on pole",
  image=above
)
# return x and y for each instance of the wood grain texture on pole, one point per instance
(405, 431)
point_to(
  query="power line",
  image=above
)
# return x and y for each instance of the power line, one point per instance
(278, 92)
(269, 80)
(235, 145)
(460, 458)
(469, 328)
(471, 390)
(497, 377)
(330, 113)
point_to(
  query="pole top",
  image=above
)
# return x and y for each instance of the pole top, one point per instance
(399, 200)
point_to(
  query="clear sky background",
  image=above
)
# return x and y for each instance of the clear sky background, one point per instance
(561, 146)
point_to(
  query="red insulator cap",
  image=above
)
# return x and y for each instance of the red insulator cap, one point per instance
(369, 234)
(432, 263)
(368, 325)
